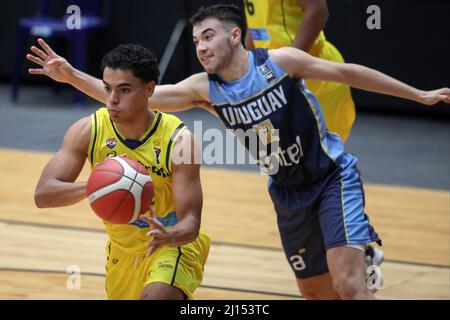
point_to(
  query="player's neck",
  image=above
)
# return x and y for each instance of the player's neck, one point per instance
(137, 127)
(238, 66)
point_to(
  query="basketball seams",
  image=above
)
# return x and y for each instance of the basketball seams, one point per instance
(132, 182)
(128, 168)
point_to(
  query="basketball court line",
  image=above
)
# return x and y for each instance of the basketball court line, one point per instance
(95, 274)
(230, 244)
(230, 269)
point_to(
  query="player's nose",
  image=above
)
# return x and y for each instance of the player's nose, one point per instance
(113, 98)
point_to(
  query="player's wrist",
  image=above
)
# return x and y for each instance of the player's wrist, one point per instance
(73, 76)
(420, 96)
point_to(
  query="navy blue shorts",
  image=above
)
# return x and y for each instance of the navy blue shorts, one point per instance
(327, 215)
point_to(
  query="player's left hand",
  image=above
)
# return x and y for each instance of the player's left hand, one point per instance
(434, 96)
(161, 236)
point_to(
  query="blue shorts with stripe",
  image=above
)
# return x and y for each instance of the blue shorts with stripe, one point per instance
(325, 215)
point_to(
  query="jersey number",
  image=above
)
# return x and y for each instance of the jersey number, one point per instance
(266, 132)
(250, 7)
(297, 262)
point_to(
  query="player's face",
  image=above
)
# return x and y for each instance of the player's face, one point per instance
(212, 40)
(126, 95)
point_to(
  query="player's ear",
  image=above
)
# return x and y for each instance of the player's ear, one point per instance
(150, 88)
(236, 35)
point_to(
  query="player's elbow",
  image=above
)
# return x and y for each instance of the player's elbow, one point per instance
(40, 198)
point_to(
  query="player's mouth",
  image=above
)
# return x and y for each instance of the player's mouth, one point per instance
(113, 112)
(205, 59)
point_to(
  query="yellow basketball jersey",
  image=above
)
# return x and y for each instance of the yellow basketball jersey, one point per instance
(154, 151)
(274, 23)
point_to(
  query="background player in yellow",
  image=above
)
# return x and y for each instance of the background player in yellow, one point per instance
(299, 23)
(173, 267)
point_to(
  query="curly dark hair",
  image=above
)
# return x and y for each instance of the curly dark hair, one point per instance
(223, 12)
(140, 60)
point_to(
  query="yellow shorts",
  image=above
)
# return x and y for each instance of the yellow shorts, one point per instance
(128, 274)
(335, 98)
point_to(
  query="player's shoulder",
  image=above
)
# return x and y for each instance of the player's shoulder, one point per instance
(78, 135)
(167, 125)
(284, 53)
(81, 127)
(290, 59)
(167, 119)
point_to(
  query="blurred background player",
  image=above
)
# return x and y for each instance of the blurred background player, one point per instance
(173, 267)
(300, 23)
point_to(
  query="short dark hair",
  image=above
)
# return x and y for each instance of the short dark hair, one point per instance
(140, 60)
(223, 12)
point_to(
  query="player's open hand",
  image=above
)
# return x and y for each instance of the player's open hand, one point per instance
(53, 65)
(161, 236)
(432, 97)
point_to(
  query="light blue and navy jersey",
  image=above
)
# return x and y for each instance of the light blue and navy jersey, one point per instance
(268, 98)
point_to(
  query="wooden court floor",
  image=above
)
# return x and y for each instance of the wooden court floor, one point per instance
(37, 246)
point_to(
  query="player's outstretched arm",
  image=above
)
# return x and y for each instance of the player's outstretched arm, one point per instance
(300, 64)
(56, 187)
(59, 69)
(187, 195)
(189, 93)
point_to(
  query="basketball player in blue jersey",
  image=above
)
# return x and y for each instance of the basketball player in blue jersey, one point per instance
(317, 191)
(173, 267)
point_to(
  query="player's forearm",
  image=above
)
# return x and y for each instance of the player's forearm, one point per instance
(364, 78)
(309, 29)
(54, 193)
(186, 230)
(87, 84)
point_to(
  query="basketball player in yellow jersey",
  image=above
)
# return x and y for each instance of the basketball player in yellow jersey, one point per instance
(299, 23)
(172, 268)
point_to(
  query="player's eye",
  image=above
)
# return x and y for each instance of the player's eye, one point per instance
(107, 89)
(125, 90)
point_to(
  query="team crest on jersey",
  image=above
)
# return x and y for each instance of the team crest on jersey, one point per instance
(111, 142)
(157, 153)
(267, 73)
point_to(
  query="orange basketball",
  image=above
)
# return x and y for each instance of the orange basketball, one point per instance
(119, 189)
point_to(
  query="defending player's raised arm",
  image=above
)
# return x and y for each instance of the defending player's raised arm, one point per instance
(59, 69)
(300, 64)
(189, 93)
(56, 186)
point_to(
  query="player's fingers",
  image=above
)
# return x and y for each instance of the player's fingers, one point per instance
(46, 47)
(36, 71)
(35, 59)
(155, 233)
(55, 61)
(153, 249)
(39, 52)
(154, 223)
